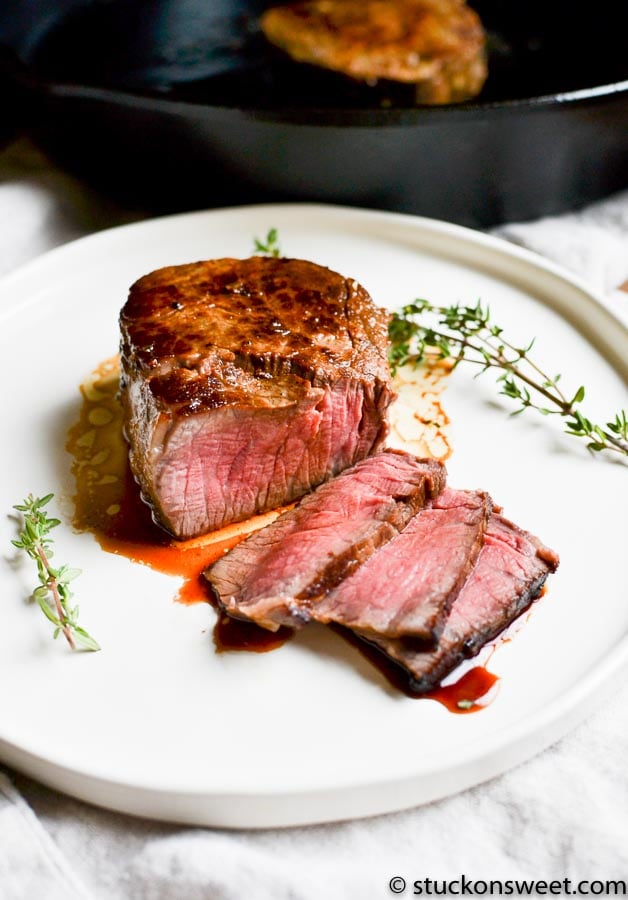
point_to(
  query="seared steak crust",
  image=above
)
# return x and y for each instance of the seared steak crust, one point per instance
(278, 575)
(438, 45)
(510, 572)
(245, 383)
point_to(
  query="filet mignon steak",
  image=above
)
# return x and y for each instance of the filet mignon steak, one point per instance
(409, 586)
(279, 574)
(509, 574)
(246, 383)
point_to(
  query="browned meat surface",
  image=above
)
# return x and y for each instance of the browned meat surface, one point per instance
(408, 587)
(245, 383)
(438, 45)
(512, 567)
(277, 575)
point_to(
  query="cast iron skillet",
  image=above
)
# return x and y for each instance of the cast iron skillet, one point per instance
(176, 105)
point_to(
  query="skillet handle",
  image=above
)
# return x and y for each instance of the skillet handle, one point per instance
(19, 93)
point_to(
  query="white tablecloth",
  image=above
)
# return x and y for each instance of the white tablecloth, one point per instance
(564, 814)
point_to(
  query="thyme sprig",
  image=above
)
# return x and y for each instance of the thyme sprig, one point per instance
(422, 330)
(269, 247)
(53, 593)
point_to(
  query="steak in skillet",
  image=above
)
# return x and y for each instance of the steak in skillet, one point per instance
(279, 574)
(508, 576)
(408, 587)
(438, 46)
(246, 383)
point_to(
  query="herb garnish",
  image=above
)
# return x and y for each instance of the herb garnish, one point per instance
(53, 594)
(422, 330)
(271, 246)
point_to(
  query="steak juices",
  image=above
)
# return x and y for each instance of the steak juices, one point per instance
(248, 384)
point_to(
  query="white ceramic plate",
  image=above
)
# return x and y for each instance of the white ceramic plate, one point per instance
(157, 724)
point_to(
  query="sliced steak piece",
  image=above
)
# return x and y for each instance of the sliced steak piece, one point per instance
(408, 587)
(277, 575)
(508, 576)
(246, 383)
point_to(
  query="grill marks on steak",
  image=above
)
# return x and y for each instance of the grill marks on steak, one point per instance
(245, 383)
(409, 586)
(278, 575)
(510, 572)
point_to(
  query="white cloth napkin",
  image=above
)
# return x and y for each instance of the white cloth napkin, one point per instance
(593, 243)
(564, 814)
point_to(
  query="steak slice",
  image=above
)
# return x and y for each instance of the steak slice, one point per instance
(246, 383)
(277, 575)
(509, 574)
(408, 587)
